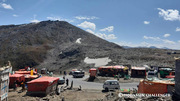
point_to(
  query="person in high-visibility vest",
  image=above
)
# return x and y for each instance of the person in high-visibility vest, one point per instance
(32, 72)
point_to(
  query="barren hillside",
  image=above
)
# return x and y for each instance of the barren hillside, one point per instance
(52, 44)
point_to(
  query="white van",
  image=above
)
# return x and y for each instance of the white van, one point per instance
(111, 85)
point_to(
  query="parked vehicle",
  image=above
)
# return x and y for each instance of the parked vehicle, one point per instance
(61, 80)
(72, 71)
(79, 74)
(152, 74)
(111, 85)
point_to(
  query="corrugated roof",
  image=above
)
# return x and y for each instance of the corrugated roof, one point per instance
(16, 75)
(162, 81)
(31, 76)
(44, 79)
(138, 68)
(24, 72)
(119, 67)
(113, 67)
(92, 69)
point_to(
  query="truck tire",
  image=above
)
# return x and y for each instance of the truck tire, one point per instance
(106, 89)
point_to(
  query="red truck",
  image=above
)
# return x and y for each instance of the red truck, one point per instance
(92, 72)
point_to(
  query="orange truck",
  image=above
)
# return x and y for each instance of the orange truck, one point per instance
(92, 72)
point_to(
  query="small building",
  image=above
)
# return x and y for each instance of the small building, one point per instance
(18, 78)
(138, 72)
(177, 78)
(4, 81)
(156, 86)
(42, 86)
(93, 72)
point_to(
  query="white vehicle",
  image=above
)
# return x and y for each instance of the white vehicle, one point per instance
(152, 74)
(111, 85)
(78, 74)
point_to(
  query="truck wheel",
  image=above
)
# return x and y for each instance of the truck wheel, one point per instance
(106, 89)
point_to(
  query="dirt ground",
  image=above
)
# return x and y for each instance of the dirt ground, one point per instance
(67, 95)
(79, 95)
(83, 95)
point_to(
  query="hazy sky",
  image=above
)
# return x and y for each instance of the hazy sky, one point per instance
(125, 22)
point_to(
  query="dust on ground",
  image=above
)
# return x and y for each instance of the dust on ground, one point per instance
(81, 95)
(67, 95)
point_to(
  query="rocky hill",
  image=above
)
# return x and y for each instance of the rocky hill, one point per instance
(60, 45)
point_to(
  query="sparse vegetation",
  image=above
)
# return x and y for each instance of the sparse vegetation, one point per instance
(52, 44)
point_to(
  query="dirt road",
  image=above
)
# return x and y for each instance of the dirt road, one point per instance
(93, 85)
(90, 91)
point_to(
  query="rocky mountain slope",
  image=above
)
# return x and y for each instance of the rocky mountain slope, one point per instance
(60, 45)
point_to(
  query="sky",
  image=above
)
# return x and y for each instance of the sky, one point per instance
(134, 23)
